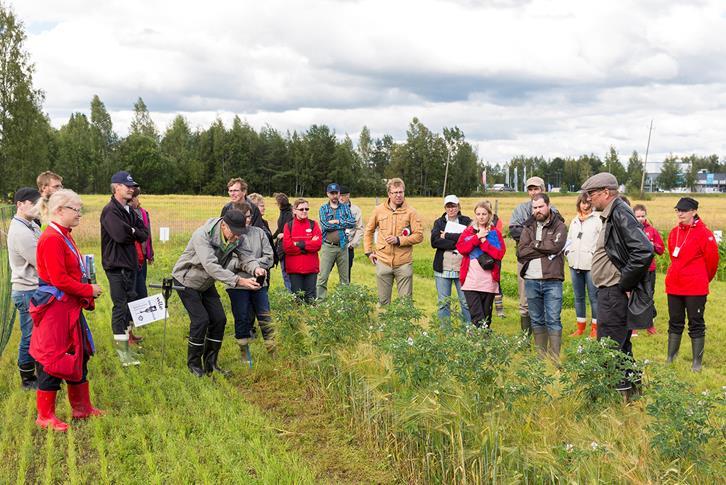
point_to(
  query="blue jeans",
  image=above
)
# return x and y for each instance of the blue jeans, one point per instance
(544, 298)
(581, 279)
(285, 276)
(242, 301)
(443, 288)
(22, 302)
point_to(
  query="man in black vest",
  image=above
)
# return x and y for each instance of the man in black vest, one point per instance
(120, 229)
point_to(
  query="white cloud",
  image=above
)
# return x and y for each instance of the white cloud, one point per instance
(533, 77)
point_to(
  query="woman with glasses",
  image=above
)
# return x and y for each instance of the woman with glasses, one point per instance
(302, 239)
(61, 343)
(694, 262)
(581, 239)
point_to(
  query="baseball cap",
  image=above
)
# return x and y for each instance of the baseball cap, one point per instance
(26, 193)
(333, 188)
(124, 178)
(535, 182)
(451, 199)
(235, 220)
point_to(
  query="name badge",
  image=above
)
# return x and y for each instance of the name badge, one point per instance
(308, 230)
(676, 251)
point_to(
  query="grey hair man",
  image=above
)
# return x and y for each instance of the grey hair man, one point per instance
(620, 263)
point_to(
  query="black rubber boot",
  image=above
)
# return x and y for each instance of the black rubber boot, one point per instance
(194, 357)
(525, 322)
(674, 343)
(211, 353)
(697, 345)
(27, 376)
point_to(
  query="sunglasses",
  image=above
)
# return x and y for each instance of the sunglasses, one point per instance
(303, 209)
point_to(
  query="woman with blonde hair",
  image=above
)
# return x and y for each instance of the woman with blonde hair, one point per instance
(482, 247)
(61, 343)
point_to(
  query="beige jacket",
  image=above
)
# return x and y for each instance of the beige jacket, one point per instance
(403, 223)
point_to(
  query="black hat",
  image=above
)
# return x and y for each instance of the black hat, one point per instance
(26, 193)
(687, 204)
(344, 189)
(235, 220)
(124, 178)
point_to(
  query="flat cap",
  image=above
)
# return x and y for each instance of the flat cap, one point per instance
(26, 193)
(535, 182)
(603, 180)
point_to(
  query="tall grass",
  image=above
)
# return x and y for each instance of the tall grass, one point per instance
(460, 405)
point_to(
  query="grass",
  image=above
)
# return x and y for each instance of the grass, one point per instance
(277, 423)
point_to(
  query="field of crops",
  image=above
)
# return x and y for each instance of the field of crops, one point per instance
(348, 400)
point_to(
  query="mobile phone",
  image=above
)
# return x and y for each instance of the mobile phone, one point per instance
(261, 279)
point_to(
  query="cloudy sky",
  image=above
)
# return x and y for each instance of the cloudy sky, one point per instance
(519, 77)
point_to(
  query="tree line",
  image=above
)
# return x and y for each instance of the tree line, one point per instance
(86, 150)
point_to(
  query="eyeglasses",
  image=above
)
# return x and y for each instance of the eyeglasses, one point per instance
(303, 209)
(78, 211)
(398, 192)
(591, 193)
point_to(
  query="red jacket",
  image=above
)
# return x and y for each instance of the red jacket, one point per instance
(697, 260)
(656, 240)
(468, 241)
(58, 341)
(297, 262)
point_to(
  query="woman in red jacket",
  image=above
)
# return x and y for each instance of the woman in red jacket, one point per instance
(694, 261)
(479, 279)
(641, 213)
(301, 241)
(61, 342)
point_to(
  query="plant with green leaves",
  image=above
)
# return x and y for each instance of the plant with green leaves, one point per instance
(593, 368)
(682, 420)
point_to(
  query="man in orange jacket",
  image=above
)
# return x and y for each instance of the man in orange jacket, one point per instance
(399, 228)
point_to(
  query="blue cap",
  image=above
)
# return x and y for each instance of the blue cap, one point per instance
(123, 177)
(333, 188)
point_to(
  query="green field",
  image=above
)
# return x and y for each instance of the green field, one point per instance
(284, 423)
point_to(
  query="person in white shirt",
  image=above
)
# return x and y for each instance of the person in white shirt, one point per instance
(581, 239)
(23, 235)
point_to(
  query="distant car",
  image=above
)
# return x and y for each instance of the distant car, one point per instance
(498, 187)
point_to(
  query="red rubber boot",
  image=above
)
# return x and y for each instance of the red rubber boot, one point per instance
(580, 329)
(45, 402)
(81, 402)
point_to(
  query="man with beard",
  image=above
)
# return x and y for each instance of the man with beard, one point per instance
(237, 190)
(335, 220)
(540, 253)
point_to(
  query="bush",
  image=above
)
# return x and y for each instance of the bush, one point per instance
(593, 368)
(681, 425)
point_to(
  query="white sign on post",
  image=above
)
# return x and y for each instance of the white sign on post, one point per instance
(147, 310)
(163, 234)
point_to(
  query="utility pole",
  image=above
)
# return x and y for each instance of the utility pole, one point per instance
(645, 162)
(446, 173)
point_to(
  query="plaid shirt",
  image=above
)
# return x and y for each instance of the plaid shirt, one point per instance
(343, 215)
